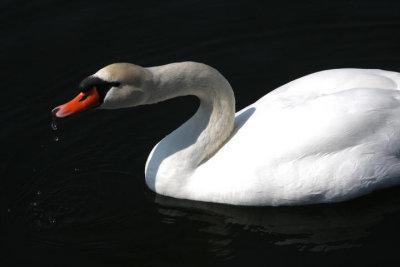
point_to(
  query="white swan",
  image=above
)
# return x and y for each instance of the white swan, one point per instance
(326, 137)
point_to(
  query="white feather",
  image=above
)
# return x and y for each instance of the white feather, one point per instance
(326, 137)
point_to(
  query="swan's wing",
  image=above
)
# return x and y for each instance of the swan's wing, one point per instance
(336, 80)
(341, 113)
(322, 146)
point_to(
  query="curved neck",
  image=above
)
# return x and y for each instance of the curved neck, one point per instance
(179, 153)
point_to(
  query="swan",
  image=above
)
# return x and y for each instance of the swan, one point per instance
(330, 136)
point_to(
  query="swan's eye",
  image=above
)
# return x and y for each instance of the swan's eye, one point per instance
(115, 84)
(101, 85)
(105, 86)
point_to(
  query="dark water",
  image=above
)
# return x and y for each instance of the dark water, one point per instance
(76, 196)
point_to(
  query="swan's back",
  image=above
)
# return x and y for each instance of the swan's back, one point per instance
(328, 136)
(337, 80)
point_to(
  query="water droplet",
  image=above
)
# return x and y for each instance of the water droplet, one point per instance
(52, 220)
(54, 125)
(34, 204)
(8, 210)
(56, 139)
(38, 193)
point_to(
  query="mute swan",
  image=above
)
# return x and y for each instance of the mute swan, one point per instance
(326, 137)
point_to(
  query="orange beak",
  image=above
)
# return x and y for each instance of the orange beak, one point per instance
(84, 101)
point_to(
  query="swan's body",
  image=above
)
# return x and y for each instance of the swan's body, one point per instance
(326, 137)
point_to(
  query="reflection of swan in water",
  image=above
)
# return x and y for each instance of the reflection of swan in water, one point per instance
(315, 228)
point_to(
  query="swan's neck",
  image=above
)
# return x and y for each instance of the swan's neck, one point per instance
(176, 157)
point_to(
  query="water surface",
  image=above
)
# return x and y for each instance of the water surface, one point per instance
(75, 195)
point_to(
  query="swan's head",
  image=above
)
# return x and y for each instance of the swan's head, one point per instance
(118, 85)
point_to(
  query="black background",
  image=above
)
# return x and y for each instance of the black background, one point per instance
(76, 196)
